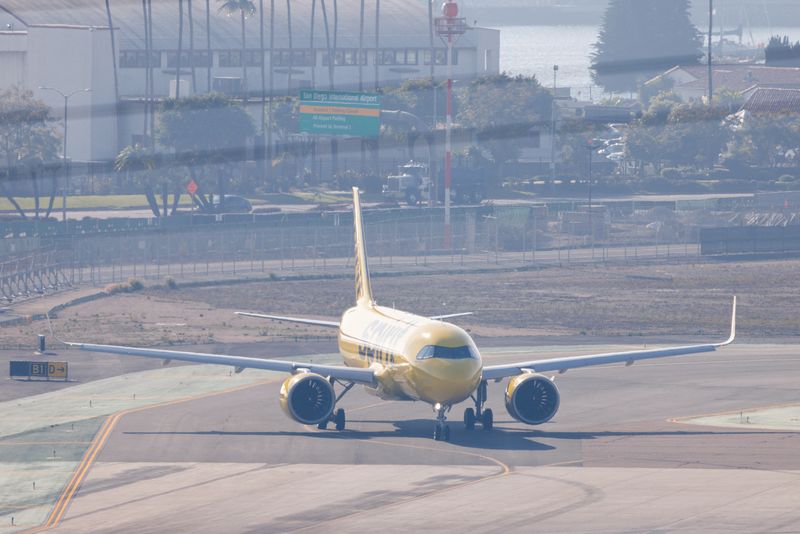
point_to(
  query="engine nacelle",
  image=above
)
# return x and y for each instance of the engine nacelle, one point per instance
(532, 399)
(307, 398)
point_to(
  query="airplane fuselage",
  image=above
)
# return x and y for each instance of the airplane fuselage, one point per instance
(415, 358)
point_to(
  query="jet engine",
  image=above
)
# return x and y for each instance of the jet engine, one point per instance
(307, 398)
(532, 399)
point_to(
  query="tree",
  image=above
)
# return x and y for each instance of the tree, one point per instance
(502, 110)
(246, 8)
(28, 142)
(781, 53)
(113, 51)
(138, 163)
(208, 47)
(180, 51)
(767, 140)
(204, 130)
(639, 39)
(676, 133)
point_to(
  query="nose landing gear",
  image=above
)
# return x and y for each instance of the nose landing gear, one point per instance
(441, 432)
(485, 416)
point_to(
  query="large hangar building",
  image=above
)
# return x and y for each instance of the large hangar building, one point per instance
(67, 44)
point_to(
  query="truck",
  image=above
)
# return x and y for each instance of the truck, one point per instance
(412, 184)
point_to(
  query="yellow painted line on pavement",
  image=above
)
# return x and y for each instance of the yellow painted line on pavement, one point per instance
(97, 445)
(505, 470)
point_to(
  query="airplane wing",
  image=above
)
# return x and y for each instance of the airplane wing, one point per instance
(315, 322)
(329, 324)
(449, 316)
(497, 372)
(352, 374)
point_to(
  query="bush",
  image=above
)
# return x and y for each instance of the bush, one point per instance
(170, 283)
(133, 284)
(670, 173)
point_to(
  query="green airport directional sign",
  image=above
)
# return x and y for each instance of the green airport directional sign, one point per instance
(342, 113)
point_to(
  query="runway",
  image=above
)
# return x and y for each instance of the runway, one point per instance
(612, 459)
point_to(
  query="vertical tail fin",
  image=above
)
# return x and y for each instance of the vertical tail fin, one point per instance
(363, 289)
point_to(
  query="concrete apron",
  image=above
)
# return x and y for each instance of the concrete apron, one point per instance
(43, 438)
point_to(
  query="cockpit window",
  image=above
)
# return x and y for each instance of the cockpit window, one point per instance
(446, 353)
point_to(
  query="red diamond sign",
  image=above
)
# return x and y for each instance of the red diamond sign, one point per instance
(191, 187)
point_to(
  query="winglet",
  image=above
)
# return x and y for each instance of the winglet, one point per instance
(363, 289)
(733, 326)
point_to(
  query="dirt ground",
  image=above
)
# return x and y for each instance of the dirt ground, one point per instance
(589, 302)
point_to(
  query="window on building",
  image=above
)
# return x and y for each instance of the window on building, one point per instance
(230, 58)
(254, 58)
(138, 59)
(440, 56)
(199, 59)
(401, 56)
(346, 57)
(299, 58)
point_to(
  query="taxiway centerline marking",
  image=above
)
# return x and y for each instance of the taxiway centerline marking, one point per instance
(89, 457)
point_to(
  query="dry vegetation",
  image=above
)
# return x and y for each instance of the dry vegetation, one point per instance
(687, 300)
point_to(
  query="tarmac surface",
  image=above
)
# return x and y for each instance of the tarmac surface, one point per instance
(614, 458)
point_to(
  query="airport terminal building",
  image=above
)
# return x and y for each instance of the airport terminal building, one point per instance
(68, 45)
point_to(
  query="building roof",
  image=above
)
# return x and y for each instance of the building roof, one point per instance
(737, 77)
(401, 22)
(771, 100)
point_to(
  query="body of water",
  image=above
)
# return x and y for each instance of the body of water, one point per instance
(533, 50)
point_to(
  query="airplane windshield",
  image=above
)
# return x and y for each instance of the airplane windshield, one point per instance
(446, 353)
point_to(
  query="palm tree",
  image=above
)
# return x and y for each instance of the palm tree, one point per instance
(180, 51)
(271, 87)
(331, 60)
(245, 8)
(263, 66)
(291, 49)
(361, 47)
(151, 81)
(208, 46)
(311, 44)
(147, 70)
(113, 52)
(191, 44)
(377, 41)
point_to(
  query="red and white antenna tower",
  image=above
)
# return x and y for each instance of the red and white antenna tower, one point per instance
(449, 27)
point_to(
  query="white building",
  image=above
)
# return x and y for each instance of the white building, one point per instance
(67, 45)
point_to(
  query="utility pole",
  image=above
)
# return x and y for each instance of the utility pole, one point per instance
(553, 130)
(449, 27)
(710, 38)
(65, 187)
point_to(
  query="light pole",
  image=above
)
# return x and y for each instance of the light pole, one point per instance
(449, 26)
(710, 39)
(66, 98)
(591, 146)
(553, 131)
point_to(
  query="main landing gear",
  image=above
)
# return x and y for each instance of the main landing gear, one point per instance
(484, 416)
(338, 417)
(441, 432)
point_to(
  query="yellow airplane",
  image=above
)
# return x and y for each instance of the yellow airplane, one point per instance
(401, 356)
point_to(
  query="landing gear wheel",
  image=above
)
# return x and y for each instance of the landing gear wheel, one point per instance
(446, 432)
(339, 419)
(437, 433)
(487, 419)
(323, 425)
(469, 418)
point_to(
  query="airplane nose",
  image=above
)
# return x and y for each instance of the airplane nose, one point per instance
(450, 381)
